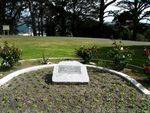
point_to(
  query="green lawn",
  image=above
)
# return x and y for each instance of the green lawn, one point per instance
(65, 46)
(52, 46)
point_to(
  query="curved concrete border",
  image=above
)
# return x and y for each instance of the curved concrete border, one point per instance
(7, 78)
(128, 78)
(10, 76)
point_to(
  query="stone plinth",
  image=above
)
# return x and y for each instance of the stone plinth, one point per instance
(70, 72)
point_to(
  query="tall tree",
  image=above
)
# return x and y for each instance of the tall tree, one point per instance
(123, 18)
(10, 12)
(80, 10)
(138, 10)
(102, 7)
(32, 5)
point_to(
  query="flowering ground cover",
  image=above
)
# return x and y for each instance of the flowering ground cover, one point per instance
(35, 93)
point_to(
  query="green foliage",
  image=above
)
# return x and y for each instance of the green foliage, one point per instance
(9, 54)
(44, 59)
(137, 15)
(87, 53)
(141, 37)
(120, 56)
(147, 54)
(148, 60)
(104, 63)
(147, 34)
(124, 33)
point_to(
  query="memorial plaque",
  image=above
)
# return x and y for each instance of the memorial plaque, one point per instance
(70, 71)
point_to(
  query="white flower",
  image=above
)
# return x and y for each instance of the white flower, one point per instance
(123, 56)
(1, 74)
(6, 64)
(121, 48)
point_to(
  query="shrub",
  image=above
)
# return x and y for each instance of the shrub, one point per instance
(87, 53)
(141, 37)
(105, 63)
(9, 54)
(120, 56)
(147, 34)
(44, 59)
(124, 33)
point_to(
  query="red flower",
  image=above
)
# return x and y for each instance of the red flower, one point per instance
(147, 69)
(146, 52)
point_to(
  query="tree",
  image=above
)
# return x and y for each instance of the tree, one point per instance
(61, 15)
(10, 12)
(2, 12)
(80, 10)
(138, 10)
(102, 7)
(32, 5)
(123, 18)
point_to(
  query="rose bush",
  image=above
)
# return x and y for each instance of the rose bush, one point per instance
(88, 53)
(9, 54)
(120, 56)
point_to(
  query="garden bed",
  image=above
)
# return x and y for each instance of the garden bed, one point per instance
(138, 75)
(35, 92)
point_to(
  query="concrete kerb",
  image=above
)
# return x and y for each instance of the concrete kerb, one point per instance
(10, 76)
(126, 77)
(7, 78)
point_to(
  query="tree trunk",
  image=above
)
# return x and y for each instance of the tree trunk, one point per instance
(33, 26)
(42, 31)
(63, 26)
(134, 33)
(62, 22)
(73, 18)
(101, 16)
(135, 20)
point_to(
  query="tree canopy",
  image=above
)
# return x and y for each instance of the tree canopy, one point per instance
(70, 17)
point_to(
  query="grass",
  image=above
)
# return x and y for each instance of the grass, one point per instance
(52, 47)
(34, 92)
(138, 58)
(59, 46)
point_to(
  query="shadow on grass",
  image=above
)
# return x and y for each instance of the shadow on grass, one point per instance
(138, 60)
(138, 57)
